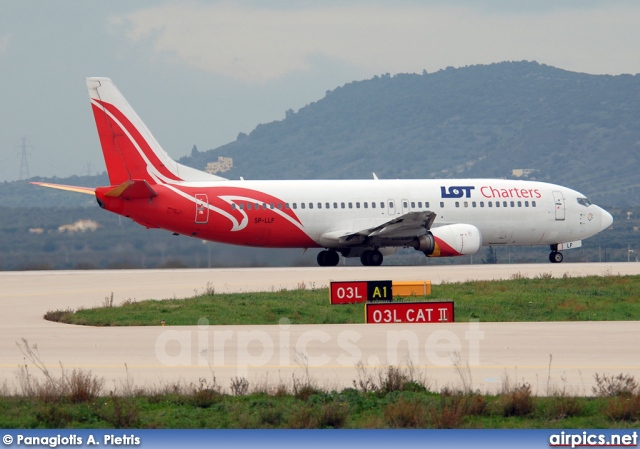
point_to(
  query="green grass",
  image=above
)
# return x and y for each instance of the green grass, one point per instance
(349, 408)
(601, 298)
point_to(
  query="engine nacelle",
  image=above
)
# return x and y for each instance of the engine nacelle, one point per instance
(451, 240)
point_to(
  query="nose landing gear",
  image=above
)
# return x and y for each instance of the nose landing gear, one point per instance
(555, 256)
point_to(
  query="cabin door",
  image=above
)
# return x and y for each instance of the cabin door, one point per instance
(558, 200)
(202, 208)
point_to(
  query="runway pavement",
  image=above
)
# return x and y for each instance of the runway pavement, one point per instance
(547, 355)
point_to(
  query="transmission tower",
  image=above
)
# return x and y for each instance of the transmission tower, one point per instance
(24, 163)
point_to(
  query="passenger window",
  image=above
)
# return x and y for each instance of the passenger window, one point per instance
(335, 205)
(457, 203)
(466, 204)
(319, 205)
(310, 205)
(358, 205)
(301, 205)
(489, 204)
(342, 205)
(404, 204)
(504, 203)
(233, 206)
(442, 204)
(519, 203)
(420, 204)
(473, 204)
(512, 204)
(373, 204)
(426, 204)
(497, 203)
(295, 206)
(381, 204)
(327, 205)
(286, 205)
(481, 203)
(366, 205)
(271, 206)
(533, 204)
(350, 205)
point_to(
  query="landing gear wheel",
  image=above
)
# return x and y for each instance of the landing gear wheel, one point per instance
(371, 258)
(328, 258)
(555, 257)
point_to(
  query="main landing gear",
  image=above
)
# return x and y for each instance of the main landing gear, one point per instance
(371, 258)
(328, 258)
(368, 258)
(555, 256)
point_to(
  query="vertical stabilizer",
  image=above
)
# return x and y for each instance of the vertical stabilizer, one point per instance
(130, 150)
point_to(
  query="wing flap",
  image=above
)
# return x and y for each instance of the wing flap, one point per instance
(407, 226)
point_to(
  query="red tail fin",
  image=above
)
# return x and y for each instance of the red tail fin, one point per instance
(130, 150)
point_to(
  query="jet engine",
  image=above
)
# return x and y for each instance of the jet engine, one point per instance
(450, 240)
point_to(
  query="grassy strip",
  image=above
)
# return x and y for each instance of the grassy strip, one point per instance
(390, 399)
(602, 298)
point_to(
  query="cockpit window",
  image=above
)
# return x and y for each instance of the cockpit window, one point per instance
(584, 202)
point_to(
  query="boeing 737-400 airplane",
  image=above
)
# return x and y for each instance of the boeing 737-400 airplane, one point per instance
(354, 218)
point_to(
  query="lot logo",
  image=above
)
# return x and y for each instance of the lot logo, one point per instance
(456, 191)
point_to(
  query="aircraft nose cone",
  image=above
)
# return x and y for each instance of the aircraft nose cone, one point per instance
(605, 220)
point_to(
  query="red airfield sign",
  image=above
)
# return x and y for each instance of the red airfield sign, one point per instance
(409, 312)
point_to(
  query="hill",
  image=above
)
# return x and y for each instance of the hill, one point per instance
(574, 129)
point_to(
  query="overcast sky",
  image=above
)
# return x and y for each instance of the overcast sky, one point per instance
(200, 72)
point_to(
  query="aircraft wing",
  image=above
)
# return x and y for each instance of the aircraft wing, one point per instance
(87, 190)
(407, 226)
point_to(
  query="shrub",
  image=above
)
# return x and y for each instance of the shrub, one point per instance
(82, 386)
(333, 414)
(58, 315)
(623, 408)
(204, 394)
(405, 413)
(239, 386)
(517, 401)
(620, 385)
(121, 413)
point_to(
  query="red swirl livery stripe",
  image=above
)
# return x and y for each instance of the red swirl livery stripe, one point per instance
(221, 199)
(121, 141)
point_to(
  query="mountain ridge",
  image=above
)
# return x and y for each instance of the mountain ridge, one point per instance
(477, 121)
(481, 121)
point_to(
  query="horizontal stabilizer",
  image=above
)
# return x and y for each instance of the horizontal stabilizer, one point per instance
(132, 189)
(87, 190)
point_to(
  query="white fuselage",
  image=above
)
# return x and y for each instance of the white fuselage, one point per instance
(507, 212)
